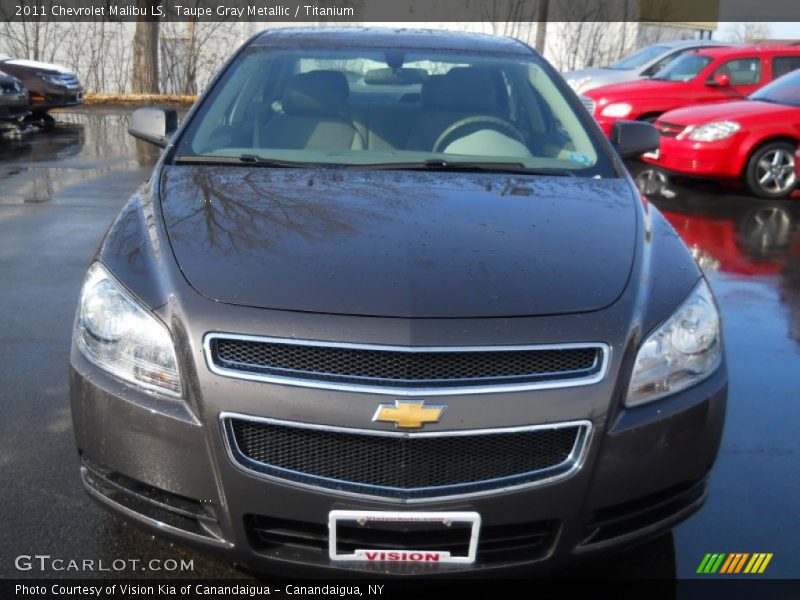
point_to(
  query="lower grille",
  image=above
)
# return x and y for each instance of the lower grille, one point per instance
(405, 370)
(621, 520)
(406, 466)
(157, 505)
(498, 544)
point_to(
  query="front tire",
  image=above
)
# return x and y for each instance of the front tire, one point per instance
(770, 171)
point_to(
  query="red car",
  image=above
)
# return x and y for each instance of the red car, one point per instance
(753, 140)
(701, 77)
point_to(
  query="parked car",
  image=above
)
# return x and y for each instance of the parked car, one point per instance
(13, 99)
(348, 328)
(752, 140)
(642, 64)
(701, 77)
(49, 86)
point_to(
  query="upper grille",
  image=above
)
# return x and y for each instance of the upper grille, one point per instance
(393, 367)
(588, 103)
(405, 466)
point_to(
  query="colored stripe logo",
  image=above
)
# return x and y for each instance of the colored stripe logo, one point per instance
(734, 563)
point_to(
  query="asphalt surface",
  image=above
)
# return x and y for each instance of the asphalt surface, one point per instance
(59, 191)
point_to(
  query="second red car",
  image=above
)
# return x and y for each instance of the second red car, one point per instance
(753, 140)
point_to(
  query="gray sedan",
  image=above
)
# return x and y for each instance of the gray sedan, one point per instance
(639, 65)
(419, 320)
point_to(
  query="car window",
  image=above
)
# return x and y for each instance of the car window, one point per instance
(781, 65)
(640, 58)
(375, 107)
(785, 90)
(684, 68)
(655, 68)
(741, 71)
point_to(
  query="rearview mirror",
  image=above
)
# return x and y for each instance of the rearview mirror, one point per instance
(154, 125)
(719, 80)
(633, 138)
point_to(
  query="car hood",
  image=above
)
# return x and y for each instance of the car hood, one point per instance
(739, 110)
(601, 77)
(641, 88)
(38, 66)
(580, 74)
(400, 243)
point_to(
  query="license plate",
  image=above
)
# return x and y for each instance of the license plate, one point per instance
(358, 521)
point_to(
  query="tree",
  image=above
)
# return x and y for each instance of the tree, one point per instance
(144, 79)
(749, 32)
(542, 8)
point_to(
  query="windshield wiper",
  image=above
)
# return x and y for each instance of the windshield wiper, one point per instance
(250, 159)
(431, 164)
(437, 164)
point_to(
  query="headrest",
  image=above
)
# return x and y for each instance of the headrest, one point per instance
(462, 88)
(321, 93)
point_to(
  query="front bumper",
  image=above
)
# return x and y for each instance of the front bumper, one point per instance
(699, 159)
(156, 464)
(55, 97)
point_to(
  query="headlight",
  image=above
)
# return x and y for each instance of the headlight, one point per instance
(617, 109)
(685, 349)
(713, 132)
(579, 83)
(120, 336)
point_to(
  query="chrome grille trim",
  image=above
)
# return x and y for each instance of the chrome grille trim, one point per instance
(588, 103)
(564, 470)
(596, 375)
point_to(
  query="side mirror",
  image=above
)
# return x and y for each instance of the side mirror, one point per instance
(633, 138)
(154, 125)
(719, 80)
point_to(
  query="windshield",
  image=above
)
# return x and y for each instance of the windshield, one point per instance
(785, 90)
(640, 58)
(367, 107)
(683, 68)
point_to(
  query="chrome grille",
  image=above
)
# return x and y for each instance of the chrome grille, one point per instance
(403, 369)
(588, 103)
(405, 466)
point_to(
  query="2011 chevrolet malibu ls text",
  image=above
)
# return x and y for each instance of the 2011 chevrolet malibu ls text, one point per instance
(391, 303)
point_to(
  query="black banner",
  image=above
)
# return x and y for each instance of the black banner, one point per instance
(359, 11)
(184, 589)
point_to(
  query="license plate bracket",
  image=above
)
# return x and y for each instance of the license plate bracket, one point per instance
(362, 518)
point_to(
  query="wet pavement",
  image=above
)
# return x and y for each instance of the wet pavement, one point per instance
(59, 191)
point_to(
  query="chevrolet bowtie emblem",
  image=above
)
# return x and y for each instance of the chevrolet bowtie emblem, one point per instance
(408, 414)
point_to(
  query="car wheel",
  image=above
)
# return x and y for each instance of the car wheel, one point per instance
(770, 171)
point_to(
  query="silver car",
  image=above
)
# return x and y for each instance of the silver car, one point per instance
(642, 63)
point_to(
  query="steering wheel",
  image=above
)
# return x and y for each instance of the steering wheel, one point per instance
(478, 122)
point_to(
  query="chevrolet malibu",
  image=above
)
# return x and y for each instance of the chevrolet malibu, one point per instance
(390, 303)
(752, 140)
